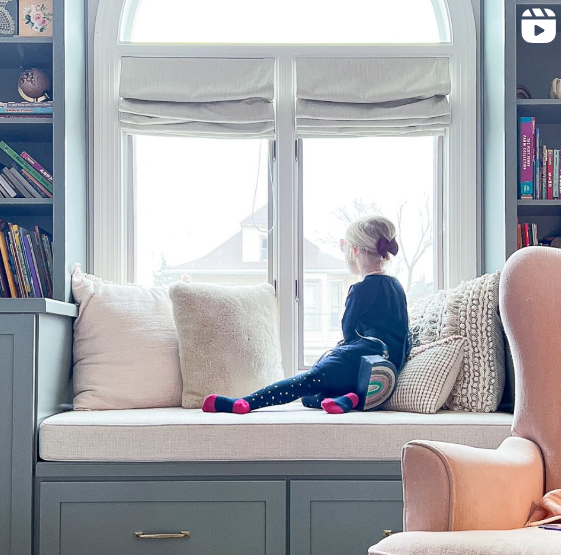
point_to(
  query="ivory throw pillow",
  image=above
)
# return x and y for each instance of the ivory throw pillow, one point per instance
(472, 311)
(126, 354)
(228, 339)
(426, 380)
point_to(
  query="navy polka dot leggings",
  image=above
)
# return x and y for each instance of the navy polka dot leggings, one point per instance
(335, 374)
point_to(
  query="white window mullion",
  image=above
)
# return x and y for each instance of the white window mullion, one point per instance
(287, 213)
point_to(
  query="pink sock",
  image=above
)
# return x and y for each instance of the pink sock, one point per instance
(340, 405)
(209, 403)
(241, 406)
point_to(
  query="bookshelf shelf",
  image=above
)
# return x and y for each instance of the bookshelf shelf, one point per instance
(26, 40)
(544, 110)
(37, 306)
(27, 202)
(539, 208)
(27, 129)
(24, 54)
(539, 202)
(538, 3)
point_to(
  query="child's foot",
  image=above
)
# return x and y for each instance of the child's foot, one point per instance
(218, 403)
(340, 405)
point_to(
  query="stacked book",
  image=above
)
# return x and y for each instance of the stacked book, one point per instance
(25, 178)
(26, 109)
(528, 235)
(539, 166)
(26, 262)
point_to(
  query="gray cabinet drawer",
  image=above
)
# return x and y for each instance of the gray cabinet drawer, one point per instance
(342, 517)
(246, 518)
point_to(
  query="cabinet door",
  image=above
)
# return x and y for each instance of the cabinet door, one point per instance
(342, 517)
(163, 518)
(17, 371)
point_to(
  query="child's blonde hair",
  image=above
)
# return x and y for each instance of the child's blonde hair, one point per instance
(373, 234)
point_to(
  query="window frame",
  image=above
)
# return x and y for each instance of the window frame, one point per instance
(316, 285)
(112, 190)
(339, 284)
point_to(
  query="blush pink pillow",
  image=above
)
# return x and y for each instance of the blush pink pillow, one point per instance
(126, 353)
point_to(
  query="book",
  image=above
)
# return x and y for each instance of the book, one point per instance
(23, 184)
(32, 264)
(527, 145)
(556, 174)
(24, 259)
(25, 111)
(550, 174)
(34, 183)
(37, 166)
(544, 172)
(537, 165)
(7, 188)
(20, 190)
(23, 164)
(41, 266)
(7, 266)
(46, 104)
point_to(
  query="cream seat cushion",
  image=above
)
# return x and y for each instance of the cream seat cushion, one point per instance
(525, 541)
(289, 432)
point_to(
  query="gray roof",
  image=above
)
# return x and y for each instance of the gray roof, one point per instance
(259, 218)
(228, 256)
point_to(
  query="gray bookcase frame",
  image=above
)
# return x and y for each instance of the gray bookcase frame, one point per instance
(62, 140)
(506, 63)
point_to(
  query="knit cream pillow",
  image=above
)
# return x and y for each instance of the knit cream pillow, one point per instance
(228, 339)
(426, 380)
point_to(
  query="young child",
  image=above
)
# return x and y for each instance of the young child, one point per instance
(376, 307)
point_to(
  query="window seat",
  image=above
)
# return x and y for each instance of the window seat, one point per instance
(289, 432)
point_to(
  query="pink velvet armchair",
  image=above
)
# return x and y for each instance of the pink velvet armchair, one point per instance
(466, 501)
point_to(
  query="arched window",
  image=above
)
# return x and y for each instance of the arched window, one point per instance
(236, 148)
(249, 22)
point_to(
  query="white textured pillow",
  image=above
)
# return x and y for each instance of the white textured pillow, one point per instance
(228, 339)
(428, 376)
(126, 354)
(472, 311)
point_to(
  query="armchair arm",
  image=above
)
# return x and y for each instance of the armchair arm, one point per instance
(449, 487)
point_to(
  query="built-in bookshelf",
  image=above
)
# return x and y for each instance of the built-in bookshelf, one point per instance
(509, 61)
(57, 142)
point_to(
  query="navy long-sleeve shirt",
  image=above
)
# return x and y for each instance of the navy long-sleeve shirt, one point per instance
(377, 307)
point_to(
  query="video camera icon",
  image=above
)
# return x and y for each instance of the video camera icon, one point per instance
(539, 25)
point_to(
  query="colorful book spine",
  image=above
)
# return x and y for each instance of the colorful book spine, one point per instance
(47, 104)
(32, 266)
(544, 172)
(527, 145)
(20, 110)
(37, 191)
(549, 174)
(23, 164)
(41, 267)
(556, 174)
(7, 265)
(32, 162)
(537, 166)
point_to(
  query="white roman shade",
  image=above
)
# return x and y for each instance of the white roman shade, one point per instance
(363, 97)
(198, 97)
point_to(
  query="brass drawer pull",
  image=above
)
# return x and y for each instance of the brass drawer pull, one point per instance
(184, 534)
